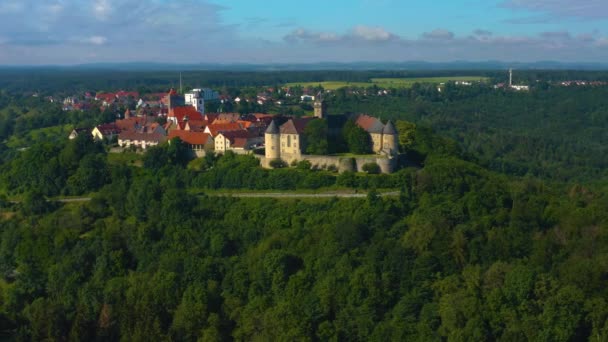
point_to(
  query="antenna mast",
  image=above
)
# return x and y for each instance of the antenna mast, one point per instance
(181, 89)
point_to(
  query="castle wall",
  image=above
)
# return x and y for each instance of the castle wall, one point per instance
(291, 145)
(376, 142)
(342, 164)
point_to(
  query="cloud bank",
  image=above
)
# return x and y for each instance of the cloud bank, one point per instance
(192, 31)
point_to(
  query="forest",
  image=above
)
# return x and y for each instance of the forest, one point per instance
(498, 231)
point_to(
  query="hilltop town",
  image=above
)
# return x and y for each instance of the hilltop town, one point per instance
(274, 139)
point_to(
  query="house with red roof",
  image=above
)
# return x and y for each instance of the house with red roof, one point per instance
(214, 129)
(196, 140)
(106, 99)
(236, 141)
(226, 118)
(105, 132)
(184, 113)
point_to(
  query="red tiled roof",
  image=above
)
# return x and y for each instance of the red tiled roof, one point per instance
(196, 125)
(130, 123)
(227, 118)
(369, 123)
(133, 94)
(191, 137)
(108, 129)
(215, 129)
(245, 124)
(107, 97)
(295, 125)
(211, 117)
(180, 113)
(234, 136)
(239, 142)
(139, 136)
(260, 116)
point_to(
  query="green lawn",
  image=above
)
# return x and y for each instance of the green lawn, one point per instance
(125, 158)
(388, 82)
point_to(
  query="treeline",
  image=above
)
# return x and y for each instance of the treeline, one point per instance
(70, 81)
(61, 81)
(20, 115)
(461, 254)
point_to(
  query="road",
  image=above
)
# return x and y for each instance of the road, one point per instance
(296, 195)
(277, 195)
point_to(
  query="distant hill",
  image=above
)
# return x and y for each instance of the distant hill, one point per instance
(409, 65)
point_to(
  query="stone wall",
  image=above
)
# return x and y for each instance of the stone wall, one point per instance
(342, 164)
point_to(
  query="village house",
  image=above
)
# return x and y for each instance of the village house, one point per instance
(237, 141)
(196, 141)
(77, 132)
(141, 139)
(137, 131)
(105, 132)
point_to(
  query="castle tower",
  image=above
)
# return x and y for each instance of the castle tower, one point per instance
(272, 138)
(319, 106)
(390, 139)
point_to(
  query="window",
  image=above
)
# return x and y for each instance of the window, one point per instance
(289, 141)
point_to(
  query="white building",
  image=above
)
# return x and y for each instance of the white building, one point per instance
(197, 98)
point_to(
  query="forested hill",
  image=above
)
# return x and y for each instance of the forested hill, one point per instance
(463, 253)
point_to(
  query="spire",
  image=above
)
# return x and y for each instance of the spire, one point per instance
(272, 128)
(128, 113)
(389, 128)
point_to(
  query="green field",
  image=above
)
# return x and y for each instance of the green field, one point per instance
(388, 82)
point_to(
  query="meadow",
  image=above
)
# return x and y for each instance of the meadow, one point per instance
(389, 82)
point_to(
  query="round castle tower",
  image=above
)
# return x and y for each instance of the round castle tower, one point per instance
(272, 138)
(390, 139)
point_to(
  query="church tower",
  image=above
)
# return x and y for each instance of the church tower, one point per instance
(272, 139)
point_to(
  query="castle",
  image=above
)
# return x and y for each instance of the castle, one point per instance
(287, 141)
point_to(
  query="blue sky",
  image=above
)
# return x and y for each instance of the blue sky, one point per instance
(193, 31)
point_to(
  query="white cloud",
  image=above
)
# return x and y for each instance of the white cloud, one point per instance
(372, 33)
(359, 33)
(439, 34)
(102, 9)
(310, 36)
(97, 40)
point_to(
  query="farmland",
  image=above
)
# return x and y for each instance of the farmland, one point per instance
(389, 82)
